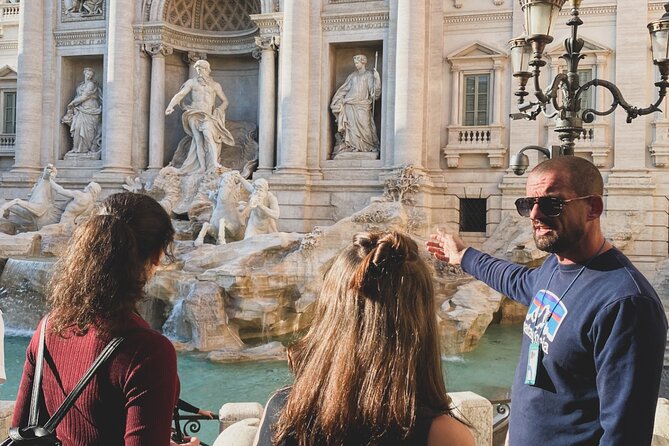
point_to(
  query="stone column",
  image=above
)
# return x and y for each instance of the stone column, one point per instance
(293, 117)
(498, 72)
(119, 93)
(157, 106)
(410, 83)
(29, 88)
(190, 58)
(266, 51)
(455, 92)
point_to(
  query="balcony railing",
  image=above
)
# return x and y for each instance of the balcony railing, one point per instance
(9, 11)
(593, 141)
(7, 142)
(475, 140)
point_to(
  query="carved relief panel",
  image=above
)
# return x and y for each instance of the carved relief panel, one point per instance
(78, 10)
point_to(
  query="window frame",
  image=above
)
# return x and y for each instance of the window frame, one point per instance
(477, 76)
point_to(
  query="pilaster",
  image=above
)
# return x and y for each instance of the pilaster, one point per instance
(293, 118)
(410, 83)
(29, 90)
(118, 105)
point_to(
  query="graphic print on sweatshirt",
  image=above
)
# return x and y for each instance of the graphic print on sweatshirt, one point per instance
(544, 318)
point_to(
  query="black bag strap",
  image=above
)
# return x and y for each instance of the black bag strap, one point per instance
(81, 385)
(37, 378)
(69, 401)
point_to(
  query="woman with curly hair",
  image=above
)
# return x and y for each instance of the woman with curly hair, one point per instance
(368, 372)
(93, 297)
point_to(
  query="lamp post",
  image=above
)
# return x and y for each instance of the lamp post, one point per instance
(564, 92)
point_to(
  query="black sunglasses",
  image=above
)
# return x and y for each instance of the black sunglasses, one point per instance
(549, 206)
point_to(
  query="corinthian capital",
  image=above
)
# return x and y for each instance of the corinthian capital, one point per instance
(191, 57)
(157, 49)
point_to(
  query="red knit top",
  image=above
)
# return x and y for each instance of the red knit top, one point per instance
(128, 402)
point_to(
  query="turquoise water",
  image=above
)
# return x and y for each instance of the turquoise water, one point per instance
(487, 371)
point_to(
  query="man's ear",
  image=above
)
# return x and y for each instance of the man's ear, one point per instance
(595, 207)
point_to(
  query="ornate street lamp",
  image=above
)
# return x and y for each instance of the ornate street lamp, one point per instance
(565, 91)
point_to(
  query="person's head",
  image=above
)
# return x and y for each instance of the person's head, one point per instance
(94, 188)
(261, 185)
(101, 276)
(89, 73)
(577, 187)
(202, 67)
(359, 60)
(371, 355)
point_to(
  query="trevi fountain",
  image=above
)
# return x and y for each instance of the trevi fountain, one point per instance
(272, 131)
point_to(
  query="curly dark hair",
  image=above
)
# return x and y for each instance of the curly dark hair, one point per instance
(105, 267)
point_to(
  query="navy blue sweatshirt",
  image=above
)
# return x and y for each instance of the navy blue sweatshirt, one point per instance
(602, 345)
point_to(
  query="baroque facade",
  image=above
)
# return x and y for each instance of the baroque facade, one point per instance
(447, 92)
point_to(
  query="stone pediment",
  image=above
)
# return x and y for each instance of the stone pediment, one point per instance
(7, 72)
(477, 50)
(589, 47)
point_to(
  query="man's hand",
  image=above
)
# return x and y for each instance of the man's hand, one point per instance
(446, 247)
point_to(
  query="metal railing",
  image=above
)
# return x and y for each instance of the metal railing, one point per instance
(191, 426)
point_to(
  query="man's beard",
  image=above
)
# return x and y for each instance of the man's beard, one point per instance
(555, 242)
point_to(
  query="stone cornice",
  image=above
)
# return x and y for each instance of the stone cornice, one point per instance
(591, 10)
(270, 24)
(350, 22)
(190, 40)
(80, 37)
(508, 15)
(486, 17)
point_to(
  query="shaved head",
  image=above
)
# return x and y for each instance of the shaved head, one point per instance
(580, 174)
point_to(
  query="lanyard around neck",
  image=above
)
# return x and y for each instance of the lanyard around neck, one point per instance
(564, 293)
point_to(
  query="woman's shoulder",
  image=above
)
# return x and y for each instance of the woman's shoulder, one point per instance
(449, 431)
(139, 334)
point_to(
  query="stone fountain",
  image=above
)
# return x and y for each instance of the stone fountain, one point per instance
(232, 299)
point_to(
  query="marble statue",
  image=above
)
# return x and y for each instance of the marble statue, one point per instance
(92, 7)
(72, 6)
(202, 120)
(353, 105)
(84, 116)
(81, 203)
(40, 209)
(262, 208)
(226, 222)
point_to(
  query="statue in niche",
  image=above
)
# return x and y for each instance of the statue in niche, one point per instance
(84, 117)
(262, 210)
(353, 107)
(203, 122)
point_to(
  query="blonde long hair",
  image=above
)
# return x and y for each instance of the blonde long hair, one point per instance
(371, 359)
